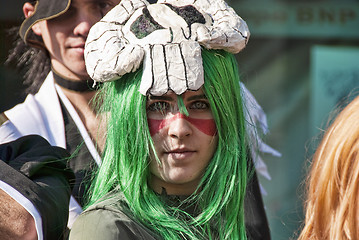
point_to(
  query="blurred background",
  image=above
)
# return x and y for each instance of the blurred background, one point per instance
(11, 88)
(301, 62)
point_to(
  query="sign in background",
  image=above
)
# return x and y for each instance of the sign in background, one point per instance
(325, 19)
(334, 77)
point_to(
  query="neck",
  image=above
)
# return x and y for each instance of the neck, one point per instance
(158, 185)
(81, 86)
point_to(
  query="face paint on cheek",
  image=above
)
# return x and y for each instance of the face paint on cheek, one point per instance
(155, 125)
(207, 126)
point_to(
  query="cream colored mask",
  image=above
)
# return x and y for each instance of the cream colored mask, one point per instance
(166, 38)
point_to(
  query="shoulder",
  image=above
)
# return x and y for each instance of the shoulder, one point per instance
(26, 107)
(12, 120)
(108, 220)
(39, 114)
(35, 104)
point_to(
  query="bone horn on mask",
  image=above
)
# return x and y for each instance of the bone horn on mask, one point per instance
(228, 30)
(108, 55)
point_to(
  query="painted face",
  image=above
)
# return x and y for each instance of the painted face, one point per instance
(65, 36)
(184, 144)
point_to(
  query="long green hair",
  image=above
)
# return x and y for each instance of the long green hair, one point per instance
(125, 166)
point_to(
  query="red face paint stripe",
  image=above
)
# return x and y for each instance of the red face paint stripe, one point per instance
(207, 126)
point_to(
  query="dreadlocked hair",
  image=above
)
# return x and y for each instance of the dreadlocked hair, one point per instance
(125, 166)
(34, 63)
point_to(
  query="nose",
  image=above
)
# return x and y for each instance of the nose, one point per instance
(84, 22)
(179, 128)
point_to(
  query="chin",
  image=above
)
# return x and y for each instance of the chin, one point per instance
(180, 179)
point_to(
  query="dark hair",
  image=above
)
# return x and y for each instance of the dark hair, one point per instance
(34, 63)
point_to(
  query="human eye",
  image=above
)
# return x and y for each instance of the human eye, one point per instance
(199, 105)
(159, 107)
(106, 6)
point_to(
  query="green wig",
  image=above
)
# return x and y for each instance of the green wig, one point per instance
(125, 167)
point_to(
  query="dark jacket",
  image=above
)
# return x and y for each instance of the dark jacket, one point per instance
(38, 171)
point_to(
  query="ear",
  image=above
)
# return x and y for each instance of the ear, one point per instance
(28, 9)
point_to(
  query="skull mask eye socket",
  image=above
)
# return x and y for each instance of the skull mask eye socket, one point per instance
(189, 13)
(144, 25)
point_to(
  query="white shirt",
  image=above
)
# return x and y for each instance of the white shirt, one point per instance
(41, 114)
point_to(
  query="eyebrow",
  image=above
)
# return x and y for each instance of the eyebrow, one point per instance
(151, 97)
(196, 97)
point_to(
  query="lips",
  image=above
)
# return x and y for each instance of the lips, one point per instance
(180, 153)
(78, 47)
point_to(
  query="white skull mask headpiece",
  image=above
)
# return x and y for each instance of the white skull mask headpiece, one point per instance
(167, 37)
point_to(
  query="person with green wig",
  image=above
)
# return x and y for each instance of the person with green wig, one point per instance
(175, 164)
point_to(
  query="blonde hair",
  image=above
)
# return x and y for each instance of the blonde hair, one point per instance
(333, 184)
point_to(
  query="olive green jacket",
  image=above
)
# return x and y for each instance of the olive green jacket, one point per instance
(108, 220)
